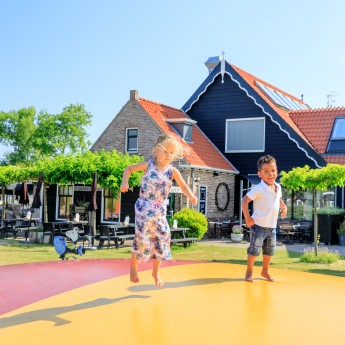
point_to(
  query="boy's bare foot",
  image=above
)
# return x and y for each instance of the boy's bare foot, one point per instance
(267, 276)
(158, 280)
(249, 278)
(134, 275)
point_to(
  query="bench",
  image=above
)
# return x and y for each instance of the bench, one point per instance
(185, 240)
(123, 238)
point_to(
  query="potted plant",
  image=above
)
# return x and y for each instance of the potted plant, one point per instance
(36, 235)
(341, 233)
(237, 233)
(328, 220)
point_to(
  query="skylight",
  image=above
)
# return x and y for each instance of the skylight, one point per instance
(339, 128)
(337, 141)
(280, 99)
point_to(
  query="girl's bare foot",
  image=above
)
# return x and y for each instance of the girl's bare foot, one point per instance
(158, 280)
(249, 278)
(267, 276)
(134, 275)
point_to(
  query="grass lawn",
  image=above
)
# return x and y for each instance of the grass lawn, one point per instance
(14, 252)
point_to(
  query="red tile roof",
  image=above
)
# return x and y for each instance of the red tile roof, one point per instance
(317, 125)
(201, 152)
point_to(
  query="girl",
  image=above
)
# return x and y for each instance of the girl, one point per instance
(152, 232)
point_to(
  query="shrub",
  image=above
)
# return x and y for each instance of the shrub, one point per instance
(325, 256)
(330, 210)
(192, 219)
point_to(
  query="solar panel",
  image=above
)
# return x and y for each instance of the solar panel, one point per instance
(280, 99)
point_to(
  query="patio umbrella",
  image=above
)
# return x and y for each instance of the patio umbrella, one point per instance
(24, 195)
(93, 201)
(36, 203)
(93, 206)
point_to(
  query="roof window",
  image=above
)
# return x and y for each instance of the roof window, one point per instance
(337, 140)
(184, 127)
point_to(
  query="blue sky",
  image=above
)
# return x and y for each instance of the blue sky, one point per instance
(58, 52)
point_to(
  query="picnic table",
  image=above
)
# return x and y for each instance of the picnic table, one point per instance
(183, 239)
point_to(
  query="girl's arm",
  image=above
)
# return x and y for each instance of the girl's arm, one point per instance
(142, 166)
(176, 175)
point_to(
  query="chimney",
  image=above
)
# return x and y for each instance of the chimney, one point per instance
(212, 62)
(133, 95)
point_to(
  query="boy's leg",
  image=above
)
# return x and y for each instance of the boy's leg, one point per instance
(256, 242)
(155, 272)
(265, 266)
(250, 265)
(133, 273)
(268, 252)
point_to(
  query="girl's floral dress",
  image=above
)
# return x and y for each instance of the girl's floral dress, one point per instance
(152, 232)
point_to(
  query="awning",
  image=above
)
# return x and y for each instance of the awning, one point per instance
(254, 179)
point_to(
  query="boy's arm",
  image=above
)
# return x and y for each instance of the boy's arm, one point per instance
(283, 208)
(245, 209)
(176, 175)
(142, 166)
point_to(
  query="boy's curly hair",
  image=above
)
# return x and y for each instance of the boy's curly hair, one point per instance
(267, 159)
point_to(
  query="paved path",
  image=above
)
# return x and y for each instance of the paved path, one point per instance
(92, 302)
(296, 247)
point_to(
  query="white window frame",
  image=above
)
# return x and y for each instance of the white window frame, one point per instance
(126, 148)
(199, 199)
(242, 120)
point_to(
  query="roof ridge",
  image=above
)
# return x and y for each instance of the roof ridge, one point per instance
(313, 110)
(161, 104)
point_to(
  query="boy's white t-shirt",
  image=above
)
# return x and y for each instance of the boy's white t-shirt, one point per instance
(266, 204)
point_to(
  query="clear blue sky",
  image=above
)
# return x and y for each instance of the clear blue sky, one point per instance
(58, 52)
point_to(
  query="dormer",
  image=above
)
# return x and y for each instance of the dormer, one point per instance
(183, 126)
(337, 140)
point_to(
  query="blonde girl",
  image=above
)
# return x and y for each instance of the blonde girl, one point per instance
(152, 232)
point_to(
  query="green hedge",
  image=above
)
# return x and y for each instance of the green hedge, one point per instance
(192, 219)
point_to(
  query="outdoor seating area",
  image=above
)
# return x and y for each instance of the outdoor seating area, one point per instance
(222, 227)
(291, 231)
(288, 231)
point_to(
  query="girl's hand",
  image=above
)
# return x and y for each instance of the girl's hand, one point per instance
(194, 200)
(124, 187)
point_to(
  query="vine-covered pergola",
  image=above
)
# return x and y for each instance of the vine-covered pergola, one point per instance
(332, 175)
(72, 169)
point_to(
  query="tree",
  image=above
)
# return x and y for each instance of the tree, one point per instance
(332, 175)
(63, 133)
(18, 129)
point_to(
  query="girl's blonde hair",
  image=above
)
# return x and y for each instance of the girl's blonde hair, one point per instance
(169, 138)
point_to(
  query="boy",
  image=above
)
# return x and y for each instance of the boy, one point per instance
(267, 199)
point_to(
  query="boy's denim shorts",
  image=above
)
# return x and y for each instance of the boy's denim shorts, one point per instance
(264, 238)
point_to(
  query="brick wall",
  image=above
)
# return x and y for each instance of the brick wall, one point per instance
(132, 115)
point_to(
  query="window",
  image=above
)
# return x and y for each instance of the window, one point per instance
(132, 140)
(245, 135)
(65, 199)
(111, 209)
(202, 199)
(337, 140)
(184, 127)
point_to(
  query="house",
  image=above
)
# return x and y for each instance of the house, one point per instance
(231, 120)
(246, 117)
(205, 169)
